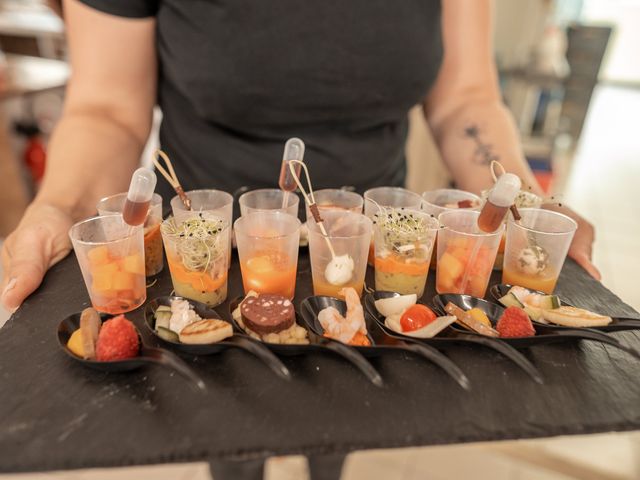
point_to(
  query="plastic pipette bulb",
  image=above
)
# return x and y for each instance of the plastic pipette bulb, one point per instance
(293, 150)
(136, 206)
(501, 197)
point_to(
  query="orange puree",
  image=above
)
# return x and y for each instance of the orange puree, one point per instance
(269, 272)
(201, 281)
(393, 263)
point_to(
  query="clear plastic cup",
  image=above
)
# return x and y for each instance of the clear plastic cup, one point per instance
(349, 233)
(268, 249)
(268, 199)
(404, 242)
(524, 199)
(114, 204)
(215, 203)
(111, 258)
(536, 248)
(465, 253)
(209, 203)
(389, 197)
(336, 199)
(198, 251)
(440, 200)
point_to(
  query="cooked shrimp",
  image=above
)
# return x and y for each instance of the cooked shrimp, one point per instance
(355, 313)
(336, 326)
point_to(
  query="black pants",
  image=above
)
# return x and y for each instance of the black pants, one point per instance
(321, 467)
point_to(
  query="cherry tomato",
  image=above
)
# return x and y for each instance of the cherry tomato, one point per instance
(415, 317)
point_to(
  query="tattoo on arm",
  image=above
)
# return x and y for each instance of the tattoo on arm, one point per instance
(483, 154)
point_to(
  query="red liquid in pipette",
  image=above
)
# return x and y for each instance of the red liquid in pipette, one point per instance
(491, 217)
(135, 213)
(286, 181)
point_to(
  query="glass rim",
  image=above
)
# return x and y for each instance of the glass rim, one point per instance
(293, 198)
(368, 192)
(572, 222)
(447, 190)
(466, 211)
(156, 200)
(181, 206)
(362, 216)
(238, 227)
(171, 218)
(421, 213)
(98, 218)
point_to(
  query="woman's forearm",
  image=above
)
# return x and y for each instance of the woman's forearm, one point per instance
(90, 156)
(470, 138)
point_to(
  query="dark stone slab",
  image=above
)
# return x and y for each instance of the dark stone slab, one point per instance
(55, 414)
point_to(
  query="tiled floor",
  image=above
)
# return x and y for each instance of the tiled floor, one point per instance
(602, 186)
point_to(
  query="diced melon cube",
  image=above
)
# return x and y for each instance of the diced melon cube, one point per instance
(133, 264)
(98, 255)
(451, 265)
(124, 281)
(260, 264)
(101, 283)
(477, 285)
(103, 274)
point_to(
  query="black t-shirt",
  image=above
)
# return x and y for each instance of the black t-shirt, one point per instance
(239, 77)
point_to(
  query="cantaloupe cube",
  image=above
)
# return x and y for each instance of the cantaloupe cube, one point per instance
(98, 255)
(124, 281)
(103, 274)
(133, 264)
(450, 265)
(477, 285)
(101, 283)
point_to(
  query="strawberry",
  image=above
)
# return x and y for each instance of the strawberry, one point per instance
(117, 340)
(515, 322)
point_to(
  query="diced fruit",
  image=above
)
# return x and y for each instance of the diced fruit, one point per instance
(75, 344)
(102, 285)
(415, 317)
(515, 323)
(124, 281)
(98, 255)
(260, 264)
(480, 316)
(133, 264)
(450, 264)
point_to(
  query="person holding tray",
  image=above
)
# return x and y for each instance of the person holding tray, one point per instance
(235, 79)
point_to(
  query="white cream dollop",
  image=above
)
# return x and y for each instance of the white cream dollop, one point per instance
(339, 270)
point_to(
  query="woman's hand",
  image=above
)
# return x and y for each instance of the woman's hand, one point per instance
(40, 241)
(582, 244)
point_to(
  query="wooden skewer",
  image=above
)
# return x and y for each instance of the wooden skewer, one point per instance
(171, 176)
(311, 201)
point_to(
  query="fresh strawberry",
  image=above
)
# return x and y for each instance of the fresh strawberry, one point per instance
(515, 322)
(117, 340)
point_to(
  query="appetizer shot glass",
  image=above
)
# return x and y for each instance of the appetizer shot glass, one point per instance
(153, 262)
(336, 199)
(198, 251)
(209, 203)
(349, 234)
(268, 199)
(524, 199)
(388, 197)
(440, 200)
(404, 242)
(536, 248)
(268, 243)
(465, 253)
(111, 258)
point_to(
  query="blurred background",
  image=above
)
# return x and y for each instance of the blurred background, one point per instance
(570, 73)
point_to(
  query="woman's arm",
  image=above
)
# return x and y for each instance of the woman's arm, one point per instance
(470, 123)
(95, 146)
